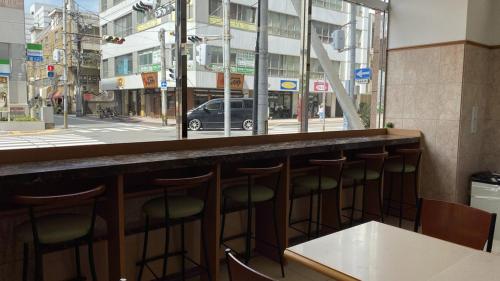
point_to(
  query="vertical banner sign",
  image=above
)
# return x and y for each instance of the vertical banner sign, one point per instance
(4, 94)
(34, 52)
(4, 67)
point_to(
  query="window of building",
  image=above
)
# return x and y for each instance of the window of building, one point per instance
(123, 65)
(104, 5)
(144, 17)
(284, 25)
(123, 26)
(105, 68)
(116, 2)
(325, 31)
(104, 30)
(283, 66)
(149, 60)
(238, 12)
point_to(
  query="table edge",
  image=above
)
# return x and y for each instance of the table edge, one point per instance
(323, 269)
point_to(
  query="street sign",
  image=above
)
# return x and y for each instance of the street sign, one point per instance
(50, 74)
(4, 67)
(363, 73)
(363, 81)
(289, 85)
(164, 10)
(34, 52)
(164, 85)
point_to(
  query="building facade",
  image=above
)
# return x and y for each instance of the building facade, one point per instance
(83, 47)
(123, 67)
(13, 87)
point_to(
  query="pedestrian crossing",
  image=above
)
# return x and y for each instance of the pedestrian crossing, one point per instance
(46, 141)
(122, 128)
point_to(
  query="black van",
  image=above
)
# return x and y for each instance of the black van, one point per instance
(210, 115)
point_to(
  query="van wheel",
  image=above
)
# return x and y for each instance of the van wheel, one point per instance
(195, 125)
(248, 125)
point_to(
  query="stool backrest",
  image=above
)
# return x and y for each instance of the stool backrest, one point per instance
(261, 171)
(240, 272)
(60, 199)
(375, 161)
(456, 223)
(330, 168)
(410, 156)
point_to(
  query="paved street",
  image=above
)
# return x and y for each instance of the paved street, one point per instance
(89, 130)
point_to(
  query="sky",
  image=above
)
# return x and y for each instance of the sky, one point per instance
(92, 5)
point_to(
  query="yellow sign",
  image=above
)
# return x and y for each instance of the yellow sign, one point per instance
(120, 82)
(234, 23)
(148, 24)
(289, 85)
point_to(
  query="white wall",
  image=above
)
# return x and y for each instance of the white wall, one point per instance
(12, 26)
(421, 22)
(483, 22)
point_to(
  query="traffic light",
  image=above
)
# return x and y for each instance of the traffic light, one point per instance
(143, 6)
(50, 71)
(195, 39)
(113, 39)
(171, 73)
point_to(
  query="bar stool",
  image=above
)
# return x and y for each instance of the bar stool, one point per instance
(406, 163)
(249, 195)
(174, 209)
(328, 176)
(371, 170)
(58, 229)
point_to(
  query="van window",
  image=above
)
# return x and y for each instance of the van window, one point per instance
(236, 104)
(213, 105)
(248, 103)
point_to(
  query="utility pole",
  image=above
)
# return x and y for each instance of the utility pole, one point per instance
(78, 92)
(255, 111)
(226, 7)
(352, 61)
(65, 62)
(305, 62)
(263, 107)
(181, 69)
(163, 50)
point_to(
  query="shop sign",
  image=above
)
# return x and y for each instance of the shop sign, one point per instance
(34, 52)
(236, 81)
(234, 69)
(150, 80)
(4, 94)
(234, 23)
(289, 85)
(149, 24)
(4, 66)
(150, 68)
(321, 86)
(120, 82)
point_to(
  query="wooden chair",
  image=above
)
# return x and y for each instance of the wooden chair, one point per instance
(248, 196)
(407, 162)
(326, 178)
(174, 209)
(58, 228)
(370, 170)
(456, 223)
(238, 271)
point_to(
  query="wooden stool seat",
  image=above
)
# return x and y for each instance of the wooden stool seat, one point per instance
(57, 228)
(303, 185)
(258, 193)
(178, 207)
(358, 173)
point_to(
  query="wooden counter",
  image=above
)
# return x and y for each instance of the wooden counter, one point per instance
(117, 161)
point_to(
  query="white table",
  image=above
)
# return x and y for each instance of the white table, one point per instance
(378, 252)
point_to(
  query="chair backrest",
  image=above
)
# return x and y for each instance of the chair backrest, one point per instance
(456, 223)
(375, 161)
(183, 182)
(240, 272)
(410, 156)
(59, 199)
(330, 168)
(261, 171)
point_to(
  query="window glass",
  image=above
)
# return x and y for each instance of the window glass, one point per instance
(123, 26)
(248, 103)
(236, 105)
(213, 105)
(123, 65)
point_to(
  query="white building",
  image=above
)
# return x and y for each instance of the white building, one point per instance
(12, 58)
(122, 65)
(37, 20)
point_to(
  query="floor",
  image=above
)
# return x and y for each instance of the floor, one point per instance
(295, 271)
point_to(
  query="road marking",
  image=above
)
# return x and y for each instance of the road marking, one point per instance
(26, 142)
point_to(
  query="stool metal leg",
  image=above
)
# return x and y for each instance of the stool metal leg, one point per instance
(401, 198)
(165, 252)
(77, 263)
(223, 223)
(391, 184)
(309, 225)
(25, 261)
(91, 259)
(204, 245)
(380, 200)
(278, 244)
(183, 248)
(290, 211)
(144, 249)
(318, 215)
(38, 263)
(248, 240)
(353, 205)
(363, 199)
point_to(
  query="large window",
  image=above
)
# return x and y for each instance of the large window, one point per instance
(104, 30)
(284, 25)
(283, 66)
(105, 68)
(149, 60)
(104, 5)
(144, 17)
(238, 12)
(123, 26)
(325, 30)
(123, 65)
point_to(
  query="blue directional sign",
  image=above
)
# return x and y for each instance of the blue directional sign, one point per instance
(35, 58)
(164, 85)
(363, 73)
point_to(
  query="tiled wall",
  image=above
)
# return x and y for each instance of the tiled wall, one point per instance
(424, 87)
(436, 89)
